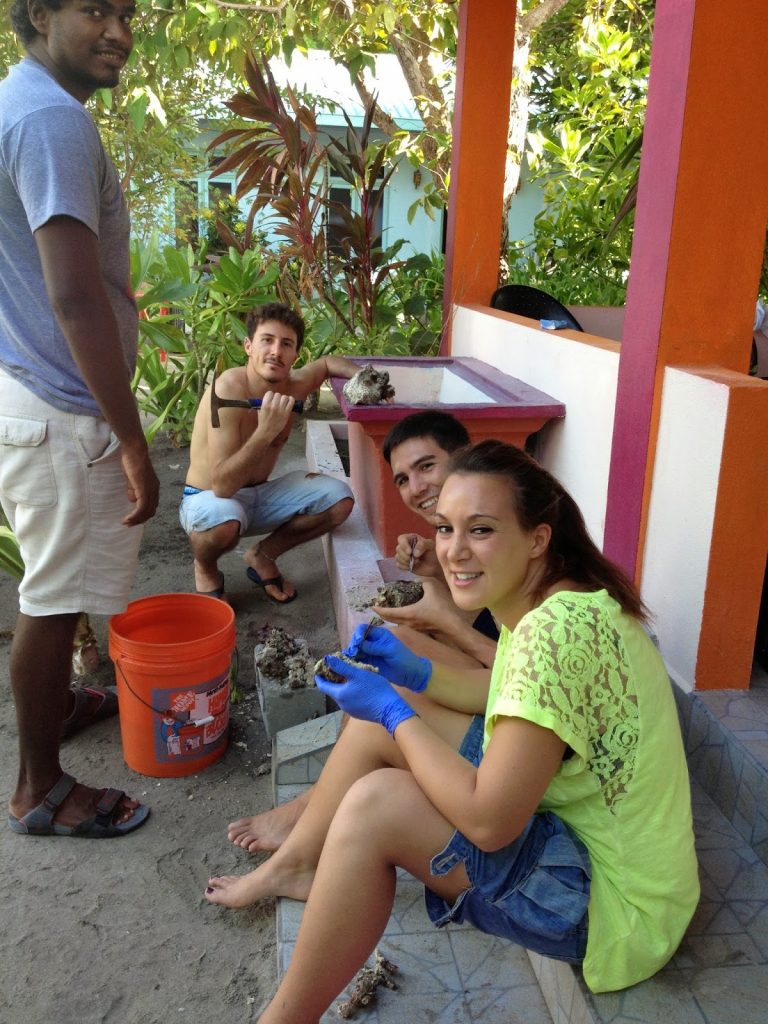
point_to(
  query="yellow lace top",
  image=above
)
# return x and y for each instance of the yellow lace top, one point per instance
(579, 666)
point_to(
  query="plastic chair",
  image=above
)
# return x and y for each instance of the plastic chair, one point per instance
(533, 303)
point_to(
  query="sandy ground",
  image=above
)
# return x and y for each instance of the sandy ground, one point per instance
(117, 931)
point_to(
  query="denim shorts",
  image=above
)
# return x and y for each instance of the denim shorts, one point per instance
(65, 494)
(535, 891)
(261, 509)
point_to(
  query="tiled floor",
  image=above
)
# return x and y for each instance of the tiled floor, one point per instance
(459, 976)
(726, 735)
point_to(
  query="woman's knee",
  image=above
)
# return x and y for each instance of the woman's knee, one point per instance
(374, 804)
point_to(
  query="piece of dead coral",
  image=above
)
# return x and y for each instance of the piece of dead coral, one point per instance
(366, 983)
(368, 387)
(284, 658)
(322, 670)
(398, 594)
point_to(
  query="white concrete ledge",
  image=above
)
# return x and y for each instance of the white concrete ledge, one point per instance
(351, 553)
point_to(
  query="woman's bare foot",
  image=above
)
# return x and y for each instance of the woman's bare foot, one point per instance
(266, 568)
(269, 879)
(267, 831)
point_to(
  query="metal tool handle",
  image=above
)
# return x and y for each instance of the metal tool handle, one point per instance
(255, 403)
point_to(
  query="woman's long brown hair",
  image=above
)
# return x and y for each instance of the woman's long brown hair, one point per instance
(539, 498)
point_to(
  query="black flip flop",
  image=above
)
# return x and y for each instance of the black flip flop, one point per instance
(274, 581)
(217, 591)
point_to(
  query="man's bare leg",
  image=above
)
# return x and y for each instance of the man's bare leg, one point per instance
(361, 748)
(40, 668)
(262, 557)
(207, 547)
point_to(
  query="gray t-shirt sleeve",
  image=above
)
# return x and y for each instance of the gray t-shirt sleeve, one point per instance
(56, 167)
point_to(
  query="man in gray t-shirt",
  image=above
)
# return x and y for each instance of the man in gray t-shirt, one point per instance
(76, 480)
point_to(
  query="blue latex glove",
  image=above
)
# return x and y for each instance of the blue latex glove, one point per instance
(391, 657)
(366, 695)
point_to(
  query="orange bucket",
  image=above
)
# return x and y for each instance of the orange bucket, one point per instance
(173, 656)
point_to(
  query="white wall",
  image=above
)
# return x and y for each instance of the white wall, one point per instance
(422, 234)
(681, 513)
(580, 373)
(526, 205)
(604, 321)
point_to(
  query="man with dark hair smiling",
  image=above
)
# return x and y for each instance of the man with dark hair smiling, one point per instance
(418, 449)
(76, 481)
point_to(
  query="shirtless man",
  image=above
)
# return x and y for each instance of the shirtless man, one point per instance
(418, 448)
(228, 491)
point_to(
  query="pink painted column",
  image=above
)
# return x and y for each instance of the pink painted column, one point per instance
(699, 231)
(480, 124)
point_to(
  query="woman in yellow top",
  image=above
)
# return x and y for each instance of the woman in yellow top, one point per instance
(564, 820)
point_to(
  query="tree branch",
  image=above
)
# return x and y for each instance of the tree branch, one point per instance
(538, 15)
(258, 8)
(381, 118)
(412, 52)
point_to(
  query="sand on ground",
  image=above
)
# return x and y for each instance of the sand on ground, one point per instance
(117, 931)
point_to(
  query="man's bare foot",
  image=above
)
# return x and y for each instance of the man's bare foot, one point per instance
(266, 568)
(269, 879)
(207, 579)
(269, 830)
(77, 806)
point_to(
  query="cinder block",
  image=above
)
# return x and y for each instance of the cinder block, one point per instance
(282, 707)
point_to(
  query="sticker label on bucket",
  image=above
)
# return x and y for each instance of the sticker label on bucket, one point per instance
(194, 721)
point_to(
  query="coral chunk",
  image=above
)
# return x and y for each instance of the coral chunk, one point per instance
(366, 983)
(398, 594)
(322, 670)
(368, 387)
(284, 658)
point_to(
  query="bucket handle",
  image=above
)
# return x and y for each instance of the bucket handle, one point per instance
(166, 712)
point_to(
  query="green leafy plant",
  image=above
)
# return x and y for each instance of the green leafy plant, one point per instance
(11, 561)
(192, 317)
(347, 287)
(588, 92)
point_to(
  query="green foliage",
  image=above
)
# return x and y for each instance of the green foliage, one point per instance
(589, 92)
(408, 316)
(10, 553)
(192, 319)
(282, 160)
(224, 211)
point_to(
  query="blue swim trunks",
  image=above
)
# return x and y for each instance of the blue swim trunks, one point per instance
(261, 509)
(535, 891)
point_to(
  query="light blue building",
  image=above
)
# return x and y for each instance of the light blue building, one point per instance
(317, 75)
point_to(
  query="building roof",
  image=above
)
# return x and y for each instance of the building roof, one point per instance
(317, 73)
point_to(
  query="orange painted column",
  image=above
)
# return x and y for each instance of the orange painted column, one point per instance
(737, 554)
(699, 229)
(486, 44)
